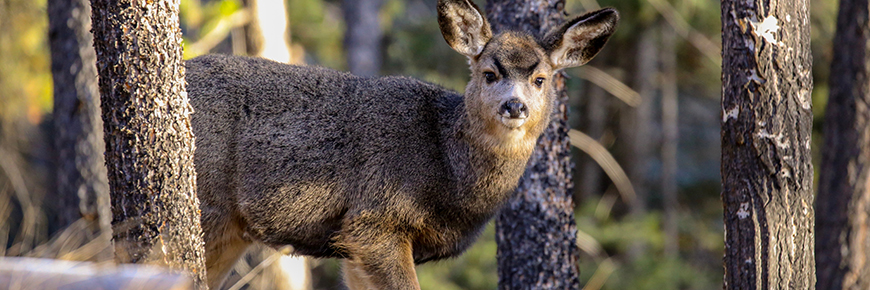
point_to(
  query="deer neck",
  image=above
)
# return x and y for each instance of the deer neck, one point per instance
(484, 173)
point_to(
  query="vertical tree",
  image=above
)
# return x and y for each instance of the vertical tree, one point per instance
(670, 140)
(362, 40)
(843, 205)
(635, 126)
(636, 123)
(766, 125)
(267, 33)
(149, 143)
(535, 233)
(595, 125)
(82, 190)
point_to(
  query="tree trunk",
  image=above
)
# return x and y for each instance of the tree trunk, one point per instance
(595, 113)
(766, 126)
(82, 191)
(362, 40)
(844, 183)
(670, 140)
(535, 233)
(636, 122)
(269, 40)
(635, 128)
(149, 143)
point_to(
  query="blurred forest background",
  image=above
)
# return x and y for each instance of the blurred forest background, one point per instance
(651, 98)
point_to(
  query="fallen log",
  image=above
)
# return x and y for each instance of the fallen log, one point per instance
(31, 273)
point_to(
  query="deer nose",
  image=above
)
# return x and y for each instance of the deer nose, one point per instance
(514, 108)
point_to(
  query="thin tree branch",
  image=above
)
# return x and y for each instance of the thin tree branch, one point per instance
(257, 269)
(590, 245)
(706, 46)
(607, 163)
(601, 274)
(219, 32)
(610, 84)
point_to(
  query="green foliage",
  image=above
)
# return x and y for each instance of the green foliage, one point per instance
(215, 11)
(474, 270)
(698, 265)
(823, 19)
(198, 20)
(414, 46)
(318, 26)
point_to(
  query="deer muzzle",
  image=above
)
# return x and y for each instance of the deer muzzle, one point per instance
(513, 113)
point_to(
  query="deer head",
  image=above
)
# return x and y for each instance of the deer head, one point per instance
(510, 96)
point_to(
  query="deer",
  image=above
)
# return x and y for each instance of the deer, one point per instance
(384, 172)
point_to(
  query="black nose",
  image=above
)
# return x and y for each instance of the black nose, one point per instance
(514, 108)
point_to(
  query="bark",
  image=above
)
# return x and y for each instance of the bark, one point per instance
(536, 233)
(843, 246)
(149, 143)
(670, 140)
(82, 190)
(362, 40)
(766, 126)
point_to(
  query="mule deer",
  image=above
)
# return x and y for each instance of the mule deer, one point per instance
(384, 173)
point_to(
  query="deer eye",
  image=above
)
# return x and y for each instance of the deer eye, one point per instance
(539, 82)
(489, 76)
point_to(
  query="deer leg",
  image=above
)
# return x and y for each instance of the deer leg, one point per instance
(384, 265)
(354, 276)
(224, 245)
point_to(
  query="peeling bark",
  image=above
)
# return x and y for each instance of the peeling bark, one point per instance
(766, 126)
(536, 233)
(149, 143)
(843, 244)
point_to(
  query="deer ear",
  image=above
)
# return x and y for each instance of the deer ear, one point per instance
(579, 40)
(463, 26)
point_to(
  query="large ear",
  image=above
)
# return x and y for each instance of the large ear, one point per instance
(579, 40)
(463, 26)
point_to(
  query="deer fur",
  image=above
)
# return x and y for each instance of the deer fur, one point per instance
(383, 172)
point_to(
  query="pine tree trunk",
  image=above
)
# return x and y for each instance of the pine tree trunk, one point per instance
(82, 191)
(536, 233)
(843, 246)
(766, 126)
(362, 40)
(149, 143)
